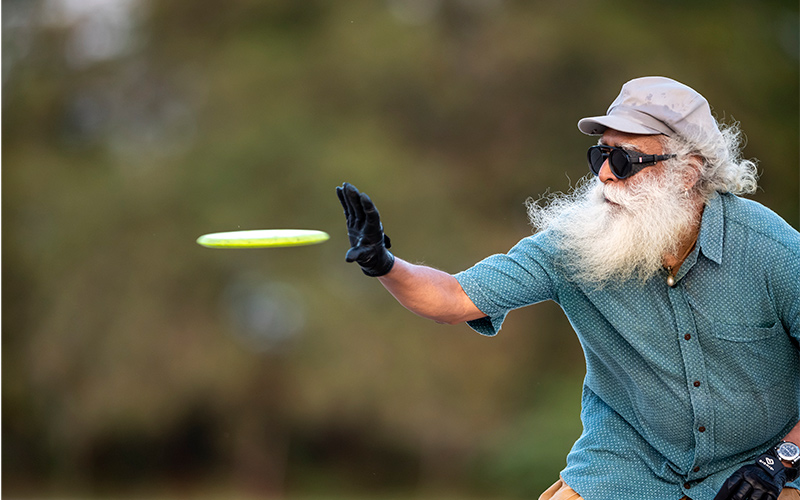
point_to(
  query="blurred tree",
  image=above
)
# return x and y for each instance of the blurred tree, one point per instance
(132, 358)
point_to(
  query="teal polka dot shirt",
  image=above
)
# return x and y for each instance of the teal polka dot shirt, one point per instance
(683, 384)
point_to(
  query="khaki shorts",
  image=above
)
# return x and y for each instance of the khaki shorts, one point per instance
(560, 491)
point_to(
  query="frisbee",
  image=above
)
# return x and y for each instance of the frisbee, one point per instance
(263, 238)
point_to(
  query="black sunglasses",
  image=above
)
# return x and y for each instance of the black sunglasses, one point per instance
(623, 163)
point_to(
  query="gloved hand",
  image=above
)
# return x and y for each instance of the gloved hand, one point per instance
(368, 244)
(763, 480)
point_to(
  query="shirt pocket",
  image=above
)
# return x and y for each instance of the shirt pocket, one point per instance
(745, 333)
(753, 372)
(752, 358)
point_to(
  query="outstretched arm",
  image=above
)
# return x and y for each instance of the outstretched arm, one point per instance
(423, 290)
(430, 293)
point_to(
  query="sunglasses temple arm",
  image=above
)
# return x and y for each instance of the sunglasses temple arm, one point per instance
(651, 158)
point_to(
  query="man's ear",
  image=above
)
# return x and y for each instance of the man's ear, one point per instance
(692, 176)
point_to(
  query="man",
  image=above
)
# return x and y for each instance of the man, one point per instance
(685, 298)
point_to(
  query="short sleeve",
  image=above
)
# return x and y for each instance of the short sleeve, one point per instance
(503, 282)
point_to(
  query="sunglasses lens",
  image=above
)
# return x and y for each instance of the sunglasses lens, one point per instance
(596, 159)
(620, 164)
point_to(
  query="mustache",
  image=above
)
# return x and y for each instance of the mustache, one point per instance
(632, 196)
(612, 196)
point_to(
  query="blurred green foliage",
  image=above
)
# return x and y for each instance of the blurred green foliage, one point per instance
(135, 360)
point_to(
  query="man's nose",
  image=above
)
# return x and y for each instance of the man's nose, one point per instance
(606, 174)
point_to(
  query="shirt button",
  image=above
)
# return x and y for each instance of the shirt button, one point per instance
(687, 485)
(687, 336)
(697, 383)
(701, 429)
(696, 469)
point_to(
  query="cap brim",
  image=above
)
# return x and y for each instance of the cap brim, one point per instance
(596, 125)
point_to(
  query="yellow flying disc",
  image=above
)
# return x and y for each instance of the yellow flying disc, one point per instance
(263, 238)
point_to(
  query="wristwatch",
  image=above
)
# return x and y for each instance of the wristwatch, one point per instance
(788, 452)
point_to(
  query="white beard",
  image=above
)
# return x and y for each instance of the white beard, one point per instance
(614, 233)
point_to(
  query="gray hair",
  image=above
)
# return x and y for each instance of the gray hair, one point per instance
(723, 169)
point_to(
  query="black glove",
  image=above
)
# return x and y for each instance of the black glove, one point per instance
(763, 480)
(368, 244)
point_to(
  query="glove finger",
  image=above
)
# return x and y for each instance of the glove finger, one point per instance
(340, 195)
(369, 207)
(354, 200)
(372, 218)
(373, 226)
(356, 253)
(760, 494)
(745, 489)
(350, 198)
(343, 201)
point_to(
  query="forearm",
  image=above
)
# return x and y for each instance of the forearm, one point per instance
(430, 293)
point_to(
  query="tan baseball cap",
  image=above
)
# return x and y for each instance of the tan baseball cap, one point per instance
(655, 105)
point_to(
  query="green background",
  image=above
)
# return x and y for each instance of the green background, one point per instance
(137, 363)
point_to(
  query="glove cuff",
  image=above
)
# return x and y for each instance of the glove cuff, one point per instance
(380, 267)
(772, 464)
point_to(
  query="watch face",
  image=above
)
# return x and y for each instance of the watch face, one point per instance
(789, 452)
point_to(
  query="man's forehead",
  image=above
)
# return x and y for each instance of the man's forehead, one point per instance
(616, 138)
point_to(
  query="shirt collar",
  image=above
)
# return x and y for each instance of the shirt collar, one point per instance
(711, 230)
